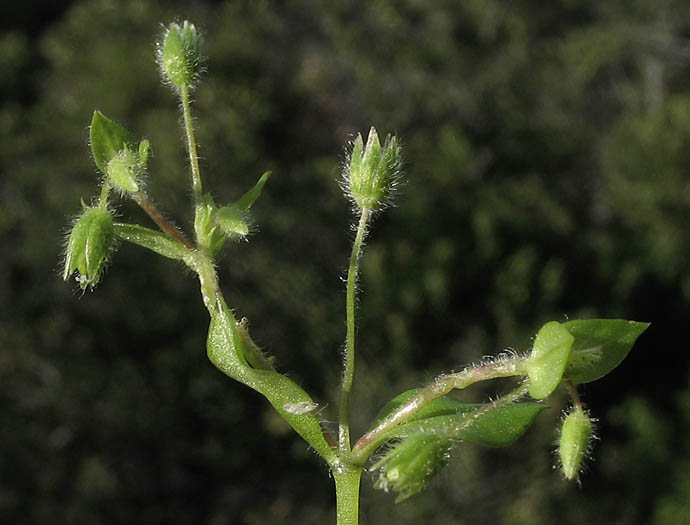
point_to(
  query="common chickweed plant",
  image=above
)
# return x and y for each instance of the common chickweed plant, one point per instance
(416, 431)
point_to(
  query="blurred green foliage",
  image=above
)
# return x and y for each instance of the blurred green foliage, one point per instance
(547, 164)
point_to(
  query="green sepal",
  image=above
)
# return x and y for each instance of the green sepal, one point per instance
(245, 202)
(226, 350)
(107, 139)
(144, 150)
(575, 442)
(125, 171)
(497, 427)
(600, 346)
(208, 232)
(89, 245)
(151, 239)
(372, 171)
(408, 466)
(546, 364)
(233, 221)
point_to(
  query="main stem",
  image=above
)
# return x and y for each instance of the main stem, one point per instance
(347, 495)
(349, 373)
(191, 145)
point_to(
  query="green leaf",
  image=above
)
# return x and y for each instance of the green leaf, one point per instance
(479, 424)
(248, 198)
(151, 239)
(449, 417)
(441, 406)
(225, 347)
(107, 139)
(600, 346)
(548, 360)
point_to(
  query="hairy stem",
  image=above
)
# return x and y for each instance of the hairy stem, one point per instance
(156, 216)
(197, 188)
(105, 191)
(370, 441)
(349, 373)
(347, 495)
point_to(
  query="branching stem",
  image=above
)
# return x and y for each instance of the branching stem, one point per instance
(156, 216)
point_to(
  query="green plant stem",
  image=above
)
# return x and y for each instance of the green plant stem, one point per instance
(197, 188)
(370, 441)
(573, 394)
(347, 495)
(105, 191)
(349, 373)
(156, 216)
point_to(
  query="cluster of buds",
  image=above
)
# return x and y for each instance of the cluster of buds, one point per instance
(372, 172)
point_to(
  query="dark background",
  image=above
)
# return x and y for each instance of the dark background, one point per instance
(547, 157)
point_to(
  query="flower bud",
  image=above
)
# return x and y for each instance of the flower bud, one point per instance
(179, 55)
(409, 466)
(125, 170)
(372, 172)
(208, 233)
(88, 246)
(575, 442)
(234, 221)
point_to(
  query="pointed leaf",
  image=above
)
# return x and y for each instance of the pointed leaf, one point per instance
(107, 139)
(549, 358)
(496, 427)
(151, 239)
(600, 346)
(248, 198)
(441, 406)
(225, 347)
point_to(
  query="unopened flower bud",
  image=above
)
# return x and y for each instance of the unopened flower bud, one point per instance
(372, 172)
(408, 467)
(88, 246)
(125, 170)
(179, 55)
(234, 221)
(575, 442)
